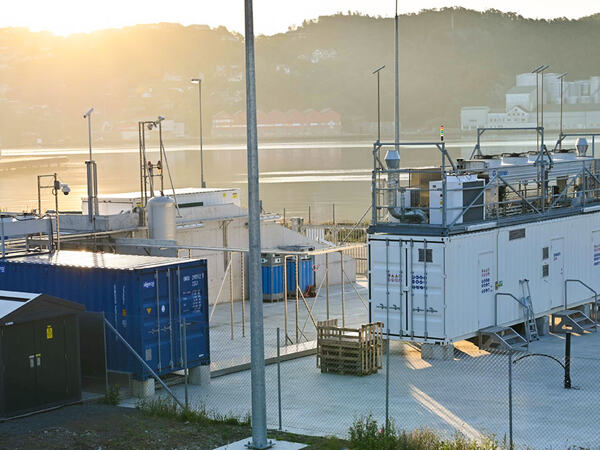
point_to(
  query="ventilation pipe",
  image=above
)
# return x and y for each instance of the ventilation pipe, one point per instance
(404, 213)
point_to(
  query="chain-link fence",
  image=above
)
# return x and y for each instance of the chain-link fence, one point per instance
(487, 397)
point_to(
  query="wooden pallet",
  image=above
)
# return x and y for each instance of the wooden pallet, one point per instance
(353, 351)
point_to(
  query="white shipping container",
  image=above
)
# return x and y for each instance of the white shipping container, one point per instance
(443, 289)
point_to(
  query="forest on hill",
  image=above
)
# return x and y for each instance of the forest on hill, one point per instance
(449, 58)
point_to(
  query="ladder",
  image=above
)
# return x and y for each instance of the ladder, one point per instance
(531, 329)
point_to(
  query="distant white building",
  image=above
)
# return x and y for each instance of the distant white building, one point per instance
(581, 105)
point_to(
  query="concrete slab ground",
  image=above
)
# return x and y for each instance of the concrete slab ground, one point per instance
(227, 352)
(468, 394)
(278, 445)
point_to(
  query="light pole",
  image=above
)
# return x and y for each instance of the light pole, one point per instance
(257, 338)
(561, 77)
(537, 71)
(198, 81)
(396, 86)
(376, 71)
(92, 174)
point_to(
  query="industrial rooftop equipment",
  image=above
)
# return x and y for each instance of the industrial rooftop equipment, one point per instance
(451, 247)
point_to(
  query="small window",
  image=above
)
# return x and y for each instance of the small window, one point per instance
(425, 255)
(545, 252)
(545, 270)
(516, 234)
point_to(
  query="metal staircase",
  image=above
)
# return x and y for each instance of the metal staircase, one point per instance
(571, 320)
(501, 339)
(531, 329)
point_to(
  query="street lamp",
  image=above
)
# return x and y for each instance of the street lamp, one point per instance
(376, 71)
(561, 77)
(92, 174)
(537, 71)
(198, 81)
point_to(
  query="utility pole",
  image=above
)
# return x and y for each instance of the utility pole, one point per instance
(560, 136)
(257, 344)
(376, 71)
(397, 87)
(198, 81)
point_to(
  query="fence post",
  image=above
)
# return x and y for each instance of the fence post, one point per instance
(568, 361)
(387, 382)
(279, 376)
(309, 214)
(510, 400)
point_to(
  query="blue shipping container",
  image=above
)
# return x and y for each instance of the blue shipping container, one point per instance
(306, 274)
(146, 298)
(272, 277)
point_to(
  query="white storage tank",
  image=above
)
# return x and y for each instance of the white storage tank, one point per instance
(161, 218)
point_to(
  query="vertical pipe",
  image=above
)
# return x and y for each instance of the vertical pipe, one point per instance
(378, 111)
(163, 161)
(39, 197)
(537, 113)
(561, 114)
(309, 215)
(57, 215)
(257, 346)
(2, 234)
(279, 376)
(510, 400)
(203, 183)
(374, 186)
(242, 256)
(342, 284)
(327, 283)
(568, 361)
(333, 215)
(95, 173)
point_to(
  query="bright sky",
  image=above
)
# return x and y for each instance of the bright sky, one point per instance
(270, 16)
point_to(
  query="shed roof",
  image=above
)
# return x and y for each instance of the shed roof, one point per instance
(19, 307)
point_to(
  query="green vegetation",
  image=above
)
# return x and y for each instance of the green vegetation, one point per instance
(112, 396)
(366, 434)
(449, 58)
(168, 408)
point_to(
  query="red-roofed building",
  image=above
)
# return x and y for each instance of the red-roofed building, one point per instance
(292, 123)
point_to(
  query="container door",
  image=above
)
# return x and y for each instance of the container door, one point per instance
(18, 360)
(389, 290)
(486, 308)
(158, 333)
(191, 297)
(50, 361)
(557, 276)
(426, 290)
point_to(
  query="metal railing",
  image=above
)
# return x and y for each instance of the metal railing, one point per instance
(477, 193)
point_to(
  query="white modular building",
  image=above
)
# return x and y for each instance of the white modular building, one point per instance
(482, 244)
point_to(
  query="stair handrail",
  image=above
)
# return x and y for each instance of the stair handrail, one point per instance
(585, 285)
(496, 304)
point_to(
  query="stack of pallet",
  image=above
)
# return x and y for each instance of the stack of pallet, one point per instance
(349, 350)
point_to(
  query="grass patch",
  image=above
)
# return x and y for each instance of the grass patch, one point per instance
(168, 408)
(112, 396)
(366, 434)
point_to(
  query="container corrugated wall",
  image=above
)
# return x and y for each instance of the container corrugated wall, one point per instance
(146, 299)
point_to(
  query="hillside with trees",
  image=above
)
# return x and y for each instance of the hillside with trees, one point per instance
(449, 58)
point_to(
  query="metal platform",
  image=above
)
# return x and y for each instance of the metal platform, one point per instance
(571, 320)
(501, 338)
